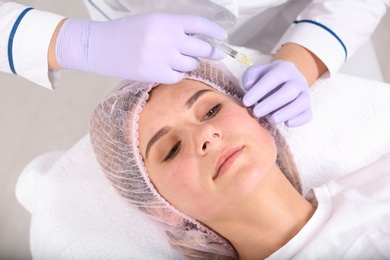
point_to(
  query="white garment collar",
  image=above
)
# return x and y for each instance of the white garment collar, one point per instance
(319, 197)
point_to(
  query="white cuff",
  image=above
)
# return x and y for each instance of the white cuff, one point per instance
(321, 41)
(30, 47)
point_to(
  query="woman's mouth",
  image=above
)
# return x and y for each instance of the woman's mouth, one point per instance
(226, 159)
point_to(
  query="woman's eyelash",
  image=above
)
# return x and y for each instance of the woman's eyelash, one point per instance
(212, 112)
(172, 153)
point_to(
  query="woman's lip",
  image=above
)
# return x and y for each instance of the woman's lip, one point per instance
(226, 159)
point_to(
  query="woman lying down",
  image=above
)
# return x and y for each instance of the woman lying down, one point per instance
(222, 184)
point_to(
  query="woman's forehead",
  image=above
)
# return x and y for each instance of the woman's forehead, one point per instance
(176, 94)
(184, 86)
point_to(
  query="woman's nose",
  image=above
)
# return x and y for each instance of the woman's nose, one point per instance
(206, 138)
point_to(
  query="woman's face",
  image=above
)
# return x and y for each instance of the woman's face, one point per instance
(203, 150)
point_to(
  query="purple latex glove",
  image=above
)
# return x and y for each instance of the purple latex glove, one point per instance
(153, 47)
(281, 92)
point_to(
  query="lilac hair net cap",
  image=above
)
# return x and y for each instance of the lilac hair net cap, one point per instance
(114, 137)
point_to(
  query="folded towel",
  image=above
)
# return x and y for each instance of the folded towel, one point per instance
(76, 213)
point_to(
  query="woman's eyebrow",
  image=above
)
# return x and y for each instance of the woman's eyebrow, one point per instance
(195, 97)
(160, 133)
(164, 130)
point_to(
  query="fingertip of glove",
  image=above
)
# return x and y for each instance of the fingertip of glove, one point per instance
(247, 81)
(223, 34)
(295, 123)
(247, 100)
(175, 78)
(219, 33)
(290, 124)
(217, 55)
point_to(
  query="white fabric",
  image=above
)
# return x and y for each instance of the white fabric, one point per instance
(352, 21)
(350, 128)
(267, 25)
(351, 220)
(77, 214)
(30, 44)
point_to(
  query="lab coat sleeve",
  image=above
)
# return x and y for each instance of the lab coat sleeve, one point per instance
(25, 35)
(334, 29)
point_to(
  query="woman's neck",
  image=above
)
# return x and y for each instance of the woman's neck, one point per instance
(266, 221)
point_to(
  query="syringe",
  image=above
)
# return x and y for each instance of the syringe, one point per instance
(226, 49)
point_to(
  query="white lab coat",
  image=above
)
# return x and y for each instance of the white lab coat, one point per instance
(30, 42)
(331, 29)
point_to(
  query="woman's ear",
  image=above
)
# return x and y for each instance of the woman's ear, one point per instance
(166, 215)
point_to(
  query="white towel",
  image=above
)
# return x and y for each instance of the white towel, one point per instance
(350, 129)
(76, 214)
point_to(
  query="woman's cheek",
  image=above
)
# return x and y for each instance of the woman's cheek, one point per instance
(182, 171)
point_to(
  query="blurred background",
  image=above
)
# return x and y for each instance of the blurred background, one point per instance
(34, 120)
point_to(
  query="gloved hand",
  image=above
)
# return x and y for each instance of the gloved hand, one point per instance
(280, 90)
(154, 47)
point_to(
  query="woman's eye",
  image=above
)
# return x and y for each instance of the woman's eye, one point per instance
(173, 152)
(212, 112)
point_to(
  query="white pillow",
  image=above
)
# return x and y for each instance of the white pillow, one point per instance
(76, 213)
